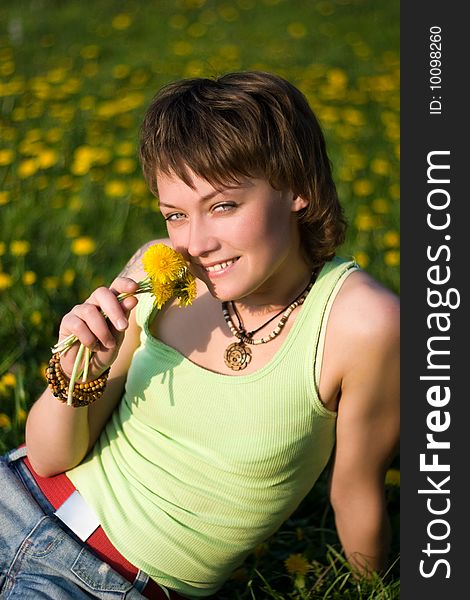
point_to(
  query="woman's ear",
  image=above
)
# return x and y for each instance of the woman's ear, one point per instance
(298, 203)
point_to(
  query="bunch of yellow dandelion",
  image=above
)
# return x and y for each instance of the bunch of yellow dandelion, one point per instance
(167, 277)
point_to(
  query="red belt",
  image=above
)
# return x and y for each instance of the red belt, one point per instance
(57, 489)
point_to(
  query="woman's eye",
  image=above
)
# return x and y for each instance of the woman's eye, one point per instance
(226, 206)
(174, 217)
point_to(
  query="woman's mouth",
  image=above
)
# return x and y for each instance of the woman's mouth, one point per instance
(220, 266)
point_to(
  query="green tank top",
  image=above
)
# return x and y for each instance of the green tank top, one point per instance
(195, 468)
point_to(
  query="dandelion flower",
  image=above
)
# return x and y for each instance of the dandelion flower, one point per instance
(163, 264)
(185, 289)
(5, 281)
(115, 188)
(297, 564)
(9, 379)
(36, 317)
(7, 156)
(121, 21)
(162, 292)
(392, 477)
(392, 258)
(29, 277)
(19, 247)
(82, 246)
(5, 422)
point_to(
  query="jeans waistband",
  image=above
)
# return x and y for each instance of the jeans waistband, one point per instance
(51, 493)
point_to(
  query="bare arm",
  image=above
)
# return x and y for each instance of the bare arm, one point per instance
(58, 437)
(367, 428)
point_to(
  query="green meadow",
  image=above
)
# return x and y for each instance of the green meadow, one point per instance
(75, 79)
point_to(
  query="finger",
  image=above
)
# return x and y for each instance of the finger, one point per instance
(107, 301)
(123, 285)
(91, 326)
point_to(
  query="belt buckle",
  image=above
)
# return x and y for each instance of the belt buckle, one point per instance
(78, 516)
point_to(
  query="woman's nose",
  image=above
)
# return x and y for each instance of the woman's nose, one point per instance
(201, 240)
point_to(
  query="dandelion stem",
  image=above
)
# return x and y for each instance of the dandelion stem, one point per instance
(73, 377)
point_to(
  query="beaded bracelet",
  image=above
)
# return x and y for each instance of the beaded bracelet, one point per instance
(84, 393)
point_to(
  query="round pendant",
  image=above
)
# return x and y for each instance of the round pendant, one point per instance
(237, 356)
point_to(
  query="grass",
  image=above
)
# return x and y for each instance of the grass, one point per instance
(75, 79)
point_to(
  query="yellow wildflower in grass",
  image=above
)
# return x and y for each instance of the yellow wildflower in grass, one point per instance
(138, 187)
(163, 264)
(29, 277)
(5, 421)
(4, 197)
(380, 205)
(121, 21)
(197, 30)
(115, 188)
(121, 71)
(392, 258)
(68, 277)
(353, 117)
(82, 246)
(297, 564)
(47, 158)
(50, 283)
(182, 48)
(297, 30)
(365, 221)
(228, 13)
(21, 415)
(75, 205)
(36, 318)
(7, 156)
(178, 21)
(337, 78)
(392, 477)
(27, 168)
(125, 148)
(90, 51)
(363, 187)
(19, 247)
(362, 259)
(5, 281)
(124, 166)
(9, 379)
(380, 166)
(391, 239)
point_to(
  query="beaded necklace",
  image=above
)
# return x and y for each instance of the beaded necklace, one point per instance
(238, 355)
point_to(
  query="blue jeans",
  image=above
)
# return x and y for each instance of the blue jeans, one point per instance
(40, 558)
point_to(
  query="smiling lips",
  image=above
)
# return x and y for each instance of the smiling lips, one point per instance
(219, 266)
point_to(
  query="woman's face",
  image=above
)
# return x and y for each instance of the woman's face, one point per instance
(240, 240)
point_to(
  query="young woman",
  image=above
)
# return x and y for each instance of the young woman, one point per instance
(217, 419)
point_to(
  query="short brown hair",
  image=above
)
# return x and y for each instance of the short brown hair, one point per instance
(246, 124)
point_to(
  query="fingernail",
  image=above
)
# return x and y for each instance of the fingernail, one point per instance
(121, 324)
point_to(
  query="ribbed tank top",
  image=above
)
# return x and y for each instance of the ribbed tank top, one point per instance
(195, 468)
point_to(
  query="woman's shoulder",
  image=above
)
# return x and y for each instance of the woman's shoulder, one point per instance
(364, 307)
(134, 267)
